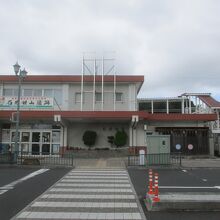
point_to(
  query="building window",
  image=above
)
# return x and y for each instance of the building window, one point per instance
(37, 92)
(48, 93)
(27, 92)
(98, 96)
(78, 97)
(118, 96)
(8, 92)
(58, 96)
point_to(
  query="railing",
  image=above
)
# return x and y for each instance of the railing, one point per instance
(6, 158)
(155, 159)
(24, 158)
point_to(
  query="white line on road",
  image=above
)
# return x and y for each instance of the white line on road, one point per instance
(3, 191)
(12, 184)
(184, 171)
(189, 187)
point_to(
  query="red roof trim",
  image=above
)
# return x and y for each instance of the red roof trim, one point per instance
(73, 78)
(208, 100)
(182, 117)
(111, 114)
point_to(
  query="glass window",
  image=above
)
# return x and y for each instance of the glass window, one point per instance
(56, 137)
(118, 97)
(58, 96)
(25, 136)
(78, 97)
(27, 92)
(25, 147)
(15, 92)
(55, 148)
(48, 93)
(45, 149)
(8, 92)
(5, 135)
(38, 92)
(46, 137)
(13, 136)
(35, 149)
(36, 137)
(98, 96)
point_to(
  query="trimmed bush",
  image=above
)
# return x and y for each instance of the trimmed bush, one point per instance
(89, 138)
(120, 138)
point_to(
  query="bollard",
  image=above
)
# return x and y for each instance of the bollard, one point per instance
(156, 189)
(150, 187)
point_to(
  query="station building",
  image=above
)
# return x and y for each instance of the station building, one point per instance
(55, 111)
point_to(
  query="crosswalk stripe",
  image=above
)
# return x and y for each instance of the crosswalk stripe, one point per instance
(56, 189)
(95, 185)
(87, 196)
(67, 180)
(86, 204)
(96, 177)
(80, 215)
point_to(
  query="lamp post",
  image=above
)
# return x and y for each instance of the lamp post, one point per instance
(21, 74)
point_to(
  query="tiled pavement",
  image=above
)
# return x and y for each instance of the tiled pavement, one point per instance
(88, 194)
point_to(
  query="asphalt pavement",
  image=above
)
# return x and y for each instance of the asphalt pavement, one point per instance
(176, 180)
(22, 193)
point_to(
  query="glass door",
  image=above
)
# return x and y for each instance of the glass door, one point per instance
(36, 136)
(46, 139)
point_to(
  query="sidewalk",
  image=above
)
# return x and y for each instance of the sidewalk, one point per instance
(201, 162)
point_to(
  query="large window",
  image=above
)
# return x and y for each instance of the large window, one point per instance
(27, 92)
(37, 92)
(98, 96)
(10, 92)
(58, 96)
(118, 96)
(78, 97)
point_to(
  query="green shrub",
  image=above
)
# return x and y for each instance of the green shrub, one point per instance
(120, 138)
(89, 138)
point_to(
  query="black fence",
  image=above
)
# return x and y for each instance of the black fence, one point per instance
(6, 158)
(155, 159)
(25, 158)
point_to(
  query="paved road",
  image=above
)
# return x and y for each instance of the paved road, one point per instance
(21, 193)
(190, 177)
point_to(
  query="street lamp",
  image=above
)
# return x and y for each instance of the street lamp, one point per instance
(21, 74)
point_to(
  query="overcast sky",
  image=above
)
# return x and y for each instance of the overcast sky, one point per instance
(175, 44)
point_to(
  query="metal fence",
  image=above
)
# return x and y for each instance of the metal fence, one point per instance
(6, 158)
(25, 158)
(154, 159)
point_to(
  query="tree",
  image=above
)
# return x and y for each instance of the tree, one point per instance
(89, 138)
(120, 138)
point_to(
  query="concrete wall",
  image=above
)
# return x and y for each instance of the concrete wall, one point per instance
(128, 102)
(103, 130)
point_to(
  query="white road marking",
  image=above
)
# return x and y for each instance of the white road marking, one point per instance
(3, 191)
(189, 187)
(86, 204)
(80, 215)
(55, 189)
(185, 171)
(12, 184)
(94, 185)
(96, 177)
(67, 180)
(87, 196)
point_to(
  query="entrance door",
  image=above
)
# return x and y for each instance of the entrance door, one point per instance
(36, 143)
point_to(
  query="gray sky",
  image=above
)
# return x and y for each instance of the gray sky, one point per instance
(174, 43)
